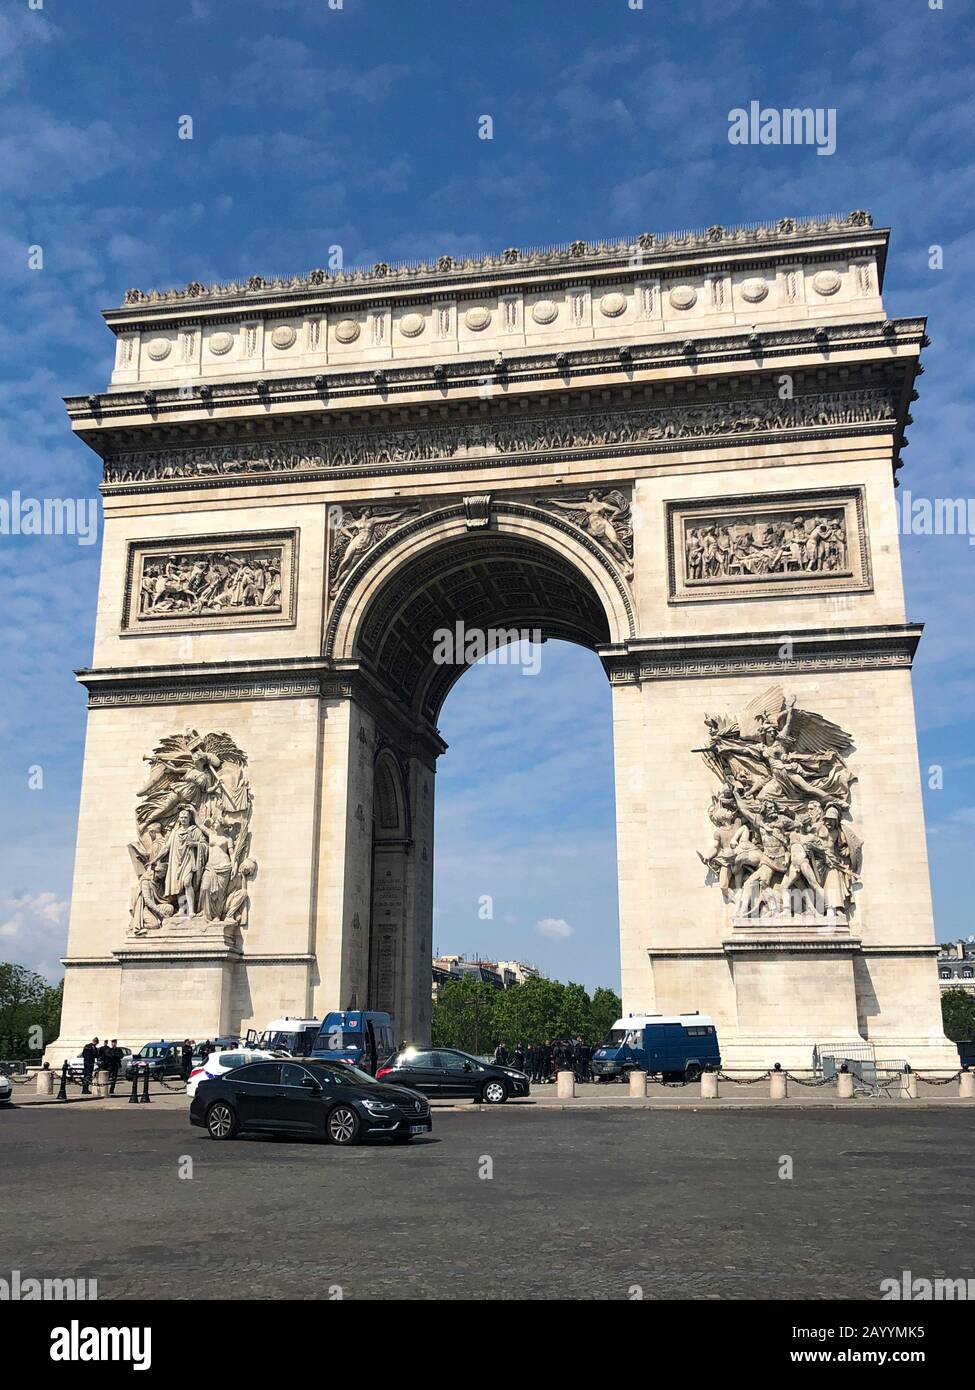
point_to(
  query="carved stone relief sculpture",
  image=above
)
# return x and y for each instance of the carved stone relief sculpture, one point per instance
(784, 848)
(354, 532)
(191, 854)
(210, 581)
(752, 547)
(589, 430)
(606, 517)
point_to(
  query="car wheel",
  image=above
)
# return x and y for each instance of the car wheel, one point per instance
(343, 1125)
(494, 1093)
(221, 1121)
(692, 1072)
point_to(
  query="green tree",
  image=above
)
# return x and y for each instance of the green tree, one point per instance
(463, 1015)
(574, 1018)
(528, 1012)
(30, 1012)
(606, 1008)
(958, 1015)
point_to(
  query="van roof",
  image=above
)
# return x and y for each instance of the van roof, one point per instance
(291, 1025)
(643, 1020)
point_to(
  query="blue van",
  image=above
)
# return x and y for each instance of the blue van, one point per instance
(676, 1046)
(362, 1037)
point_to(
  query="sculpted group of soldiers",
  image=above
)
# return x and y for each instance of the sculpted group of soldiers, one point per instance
(197, 583)
(542, 1061)
(783, 838)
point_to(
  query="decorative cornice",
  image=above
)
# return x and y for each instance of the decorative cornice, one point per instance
(115, 409)
(890, 646)
(299, 678)
(510, 264)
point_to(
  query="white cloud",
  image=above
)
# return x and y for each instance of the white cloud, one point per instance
(555, 927)
(33, 930)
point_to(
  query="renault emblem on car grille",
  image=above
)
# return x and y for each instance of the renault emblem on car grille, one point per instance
(416, 1106)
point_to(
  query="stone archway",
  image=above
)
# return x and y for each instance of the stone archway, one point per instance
(406, 622)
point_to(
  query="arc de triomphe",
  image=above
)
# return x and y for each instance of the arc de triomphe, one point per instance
(679, 452)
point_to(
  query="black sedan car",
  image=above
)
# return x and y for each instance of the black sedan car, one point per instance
(326, 1100)
(446, 1073)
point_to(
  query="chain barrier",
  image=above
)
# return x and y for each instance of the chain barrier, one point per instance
(938, 1080)
(179, 1086)
(743, 1081)
(822, 1081)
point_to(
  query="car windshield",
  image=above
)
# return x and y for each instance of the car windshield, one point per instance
(614, 1038)
(338, 1041)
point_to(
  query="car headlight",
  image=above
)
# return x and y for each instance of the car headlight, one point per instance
(378, 1107)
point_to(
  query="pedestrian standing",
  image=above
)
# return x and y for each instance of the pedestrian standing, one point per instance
(186, 1059)
(519, 1057)
(113, 1060)
(89, 1056)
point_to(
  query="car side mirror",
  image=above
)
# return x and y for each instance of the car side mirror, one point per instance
(308, 1084)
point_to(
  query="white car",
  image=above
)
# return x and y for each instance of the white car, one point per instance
(219, 1062)
(6, 1088)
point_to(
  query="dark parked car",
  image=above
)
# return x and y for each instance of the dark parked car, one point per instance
(327, 1100)
(445, 1073)
(162, 1059)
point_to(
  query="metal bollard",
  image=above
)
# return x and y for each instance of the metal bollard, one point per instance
(145, 1098)
(844, 1083)
(778, 1083)
(709, 1085)
(966, 1084)
(63, 1090)
(908, 1083)
(565, 1085)
(134, 1097)
(638, 1085)
(45, 1082)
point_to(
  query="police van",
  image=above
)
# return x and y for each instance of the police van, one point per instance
(677, 1047)
(296, 1036)
(363, 1037)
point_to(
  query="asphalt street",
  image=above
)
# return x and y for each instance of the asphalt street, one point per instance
(590, 1205)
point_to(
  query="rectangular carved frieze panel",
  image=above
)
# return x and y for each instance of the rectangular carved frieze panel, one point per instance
(202, 582)
(789, 543)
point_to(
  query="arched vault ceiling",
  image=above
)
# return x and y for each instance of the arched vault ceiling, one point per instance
(483, 581)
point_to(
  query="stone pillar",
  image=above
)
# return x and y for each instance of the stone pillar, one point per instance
(638, 1084)
(908, 1085)
(966, 1085)
(778, 1086)
(45, 1082)
(844, 1085)
(709, 1085)
(100, 1083)
(565, 1086)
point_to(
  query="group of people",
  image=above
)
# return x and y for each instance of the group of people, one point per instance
(211, 583)
(107, 1056)
(815, 544)
(542, 1061)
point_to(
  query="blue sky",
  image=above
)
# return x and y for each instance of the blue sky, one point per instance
(358, 127)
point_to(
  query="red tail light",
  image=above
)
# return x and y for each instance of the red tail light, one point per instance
(383, 1071)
